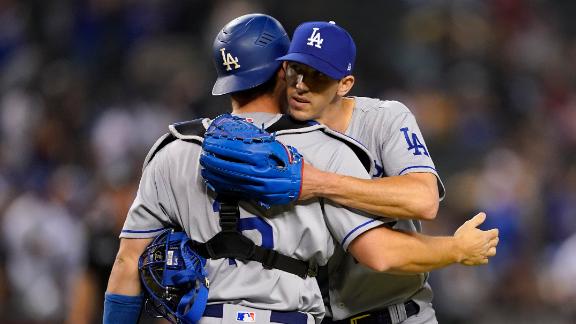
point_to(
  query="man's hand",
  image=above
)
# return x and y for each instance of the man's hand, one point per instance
(474, 245)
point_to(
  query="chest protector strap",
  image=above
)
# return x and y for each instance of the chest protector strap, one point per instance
(230, 243)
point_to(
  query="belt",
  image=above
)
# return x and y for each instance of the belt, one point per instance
(385, 316)
(217, 310)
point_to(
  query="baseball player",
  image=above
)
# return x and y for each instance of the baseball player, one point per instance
(172, 193)
(318, 71)
(406, 184)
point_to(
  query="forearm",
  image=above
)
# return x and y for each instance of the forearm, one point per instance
(413, 196)
(124, 278)
(123, 302)
(397, 252)
(422, 254)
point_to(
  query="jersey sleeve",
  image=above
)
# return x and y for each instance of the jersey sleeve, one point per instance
(404, 149)
(149, 213)
(347, 224)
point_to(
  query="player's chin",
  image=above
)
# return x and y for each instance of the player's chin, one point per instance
(299, 109)
(299, 113)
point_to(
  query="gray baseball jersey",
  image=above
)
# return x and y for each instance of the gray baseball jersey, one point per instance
(172, 192)
(389, 130)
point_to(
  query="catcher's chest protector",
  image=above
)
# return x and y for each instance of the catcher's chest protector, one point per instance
(230, 243)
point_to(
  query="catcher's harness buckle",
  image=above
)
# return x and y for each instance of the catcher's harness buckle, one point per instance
(312, 269)
(229, 214)
(354, 320)
(270, 257)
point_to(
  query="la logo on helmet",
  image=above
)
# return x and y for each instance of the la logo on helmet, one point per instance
(228, 60)
(314, 39)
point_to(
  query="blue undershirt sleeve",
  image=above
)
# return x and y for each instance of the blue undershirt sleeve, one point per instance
(121, 309)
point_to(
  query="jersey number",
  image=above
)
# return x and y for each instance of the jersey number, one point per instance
(257, 223)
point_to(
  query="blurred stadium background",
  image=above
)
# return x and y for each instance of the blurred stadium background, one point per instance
(86, 87)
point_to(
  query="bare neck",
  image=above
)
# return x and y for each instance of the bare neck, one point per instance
(337, 116)
(266, 103)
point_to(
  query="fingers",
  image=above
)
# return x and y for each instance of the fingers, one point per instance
(491, 247)
(494, 241)
(221, 180)
(476, 262)
(229, 150)
(489, 236)
(493, 233)
(477, 220)
(482, 248)
(230, 170)
(261, 155)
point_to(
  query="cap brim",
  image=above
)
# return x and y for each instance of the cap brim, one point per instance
(314, 62)
(244, 80)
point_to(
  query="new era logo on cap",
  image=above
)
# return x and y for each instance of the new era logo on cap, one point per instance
(323, 46)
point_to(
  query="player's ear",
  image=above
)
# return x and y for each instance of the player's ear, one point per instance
(345, 85)
(281, 78)
(283, 67)
(282, 71)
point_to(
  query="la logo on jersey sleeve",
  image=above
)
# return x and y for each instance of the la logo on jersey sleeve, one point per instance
(228, 60)
(414, 143)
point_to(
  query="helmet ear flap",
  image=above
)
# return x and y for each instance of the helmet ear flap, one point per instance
(173, 278)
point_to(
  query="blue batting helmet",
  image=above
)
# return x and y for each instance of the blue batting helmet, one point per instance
(245, 52)
(174, 278)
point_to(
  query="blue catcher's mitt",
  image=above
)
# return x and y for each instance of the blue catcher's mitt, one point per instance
(242, 160)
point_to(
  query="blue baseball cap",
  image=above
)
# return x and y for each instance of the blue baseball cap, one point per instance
(324, 46)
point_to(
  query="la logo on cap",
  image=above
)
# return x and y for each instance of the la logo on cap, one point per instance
(315, 39)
